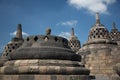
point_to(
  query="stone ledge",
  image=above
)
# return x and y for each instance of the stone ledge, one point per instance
(46, 77)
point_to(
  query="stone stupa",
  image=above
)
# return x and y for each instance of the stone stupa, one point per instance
(41, 57)
(115, 34)
(100, 53)
(73, 42)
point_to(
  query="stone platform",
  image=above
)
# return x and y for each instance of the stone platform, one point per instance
(45, 77)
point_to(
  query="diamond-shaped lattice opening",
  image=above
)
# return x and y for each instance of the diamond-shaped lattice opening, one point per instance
(9, 50)
(13, 47)
(36, 38)
(27, 39)
(56, 39)
(6, 54)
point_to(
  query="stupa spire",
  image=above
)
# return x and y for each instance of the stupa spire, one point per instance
(19, 31)
(72, 32)
(97, 18)
(114, 25)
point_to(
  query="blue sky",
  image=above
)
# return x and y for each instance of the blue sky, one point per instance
(60, 15)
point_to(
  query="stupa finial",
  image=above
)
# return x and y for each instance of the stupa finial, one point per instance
(97, 18)
(114, 25)
(72, 32)
(19, 31)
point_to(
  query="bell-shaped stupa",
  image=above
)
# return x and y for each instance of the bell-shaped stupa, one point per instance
(43, 57)
(73, 42)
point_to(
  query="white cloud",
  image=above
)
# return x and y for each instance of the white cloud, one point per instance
(92, 6)
(68, 23)
(23, 33)
(65, 35)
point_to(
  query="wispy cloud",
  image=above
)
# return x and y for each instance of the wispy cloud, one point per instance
(92, 6)
(23, 33)
(65, 35)
(68, 23)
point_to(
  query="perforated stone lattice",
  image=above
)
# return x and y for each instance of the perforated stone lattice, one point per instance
(74, 43)
(115, 35)
(99, 33)
(11, 47)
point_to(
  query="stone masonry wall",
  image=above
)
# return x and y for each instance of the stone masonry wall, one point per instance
(100, 59)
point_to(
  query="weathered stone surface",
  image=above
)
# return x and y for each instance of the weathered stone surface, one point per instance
(73, 42)
(44, 77)
(38, 66)
(42, 57)
(101, 52)
(117, 68)
(101, 60)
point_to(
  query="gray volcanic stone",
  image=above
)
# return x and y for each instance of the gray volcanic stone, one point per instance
(54, 48)
(43, 57)
(117, 68)
(44, 77)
